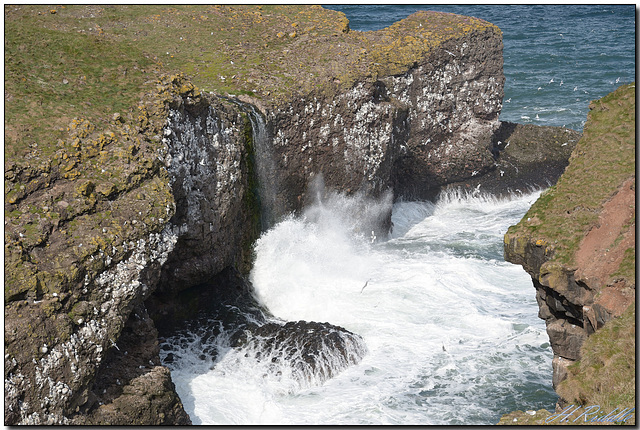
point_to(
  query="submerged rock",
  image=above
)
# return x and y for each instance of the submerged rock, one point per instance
(226, 314)
(314, 351)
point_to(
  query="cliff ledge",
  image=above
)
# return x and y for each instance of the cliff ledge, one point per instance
(578, 244)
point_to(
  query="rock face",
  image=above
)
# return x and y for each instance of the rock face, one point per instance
(577, 241)
(120, 218)
(132, 387)
(208, 142)
(411, 132)
(527, 157)
(71, 287)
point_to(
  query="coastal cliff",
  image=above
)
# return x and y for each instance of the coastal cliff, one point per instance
(578, 244)
(127, 183)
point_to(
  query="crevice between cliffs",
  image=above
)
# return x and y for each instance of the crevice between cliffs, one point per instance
(231, 172)
(223, 170)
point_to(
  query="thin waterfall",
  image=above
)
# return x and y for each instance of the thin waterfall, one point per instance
(265, 166)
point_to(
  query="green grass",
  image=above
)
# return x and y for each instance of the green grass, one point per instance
(603, 158)
(101, 77)
(605, 375)
(109, 55)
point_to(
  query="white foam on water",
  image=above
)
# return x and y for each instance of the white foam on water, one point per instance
(451, 329)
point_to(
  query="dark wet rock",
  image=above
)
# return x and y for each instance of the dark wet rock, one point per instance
(131, 387)
(224, 302)
(225, 314)
(527, 157)
(314, 350)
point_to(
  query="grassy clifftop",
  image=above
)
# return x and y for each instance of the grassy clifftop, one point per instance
(92, 61)
(584, 226)
(602, 160)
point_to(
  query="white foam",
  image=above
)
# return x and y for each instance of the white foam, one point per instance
(451, 329)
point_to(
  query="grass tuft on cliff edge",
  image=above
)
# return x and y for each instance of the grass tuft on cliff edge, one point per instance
(602, 160)
(606, 373)
(605, 376)
(560, 220)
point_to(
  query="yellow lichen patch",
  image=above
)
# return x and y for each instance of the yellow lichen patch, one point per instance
(85, 188)
(81, 127)
(410, 40)
(541, 242)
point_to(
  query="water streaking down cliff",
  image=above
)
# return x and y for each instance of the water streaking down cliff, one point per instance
(127, 217)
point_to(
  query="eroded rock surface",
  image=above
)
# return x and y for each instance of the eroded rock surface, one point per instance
(410, 132)
(117, 217)
(208, 141)
(527, 157)
(577, 241)
(314, 351)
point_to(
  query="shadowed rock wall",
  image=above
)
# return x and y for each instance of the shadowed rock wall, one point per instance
(102, 237)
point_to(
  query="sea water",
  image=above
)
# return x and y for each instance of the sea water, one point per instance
(451, 329)
(557, 58)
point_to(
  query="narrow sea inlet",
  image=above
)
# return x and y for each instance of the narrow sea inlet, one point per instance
(451, 330)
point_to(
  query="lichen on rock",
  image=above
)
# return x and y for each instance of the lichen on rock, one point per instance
(577, 238)
(121, 203)
(97, 257)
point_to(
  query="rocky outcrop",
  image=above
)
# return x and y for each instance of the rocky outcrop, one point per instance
(527, 157)
(578, 240)
(314, 351)
(132, 387)
(411, 132)
(71, 287)
(224, 314)
(107, 228)
(209, 142)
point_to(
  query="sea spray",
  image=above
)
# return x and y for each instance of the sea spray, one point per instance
(450, 329)
(363, 216)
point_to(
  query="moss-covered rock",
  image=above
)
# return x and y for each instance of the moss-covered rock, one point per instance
(577, 242)
(78, 245)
